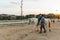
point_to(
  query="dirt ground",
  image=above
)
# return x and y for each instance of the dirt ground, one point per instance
(22, 32)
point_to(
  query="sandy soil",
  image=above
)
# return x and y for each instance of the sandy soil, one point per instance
(22, 32)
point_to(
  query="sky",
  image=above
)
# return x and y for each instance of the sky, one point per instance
(12, 7)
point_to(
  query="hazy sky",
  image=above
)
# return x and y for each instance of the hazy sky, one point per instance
(29, 6)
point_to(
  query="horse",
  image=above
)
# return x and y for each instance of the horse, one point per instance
(35, 21)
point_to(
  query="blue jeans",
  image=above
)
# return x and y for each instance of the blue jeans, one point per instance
(42, 27)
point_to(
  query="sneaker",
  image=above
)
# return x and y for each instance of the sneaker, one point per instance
(45, 31)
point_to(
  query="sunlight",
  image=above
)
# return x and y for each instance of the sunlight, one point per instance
(57, 15)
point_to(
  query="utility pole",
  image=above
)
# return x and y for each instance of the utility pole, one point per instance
(21, 10)
(21, 7)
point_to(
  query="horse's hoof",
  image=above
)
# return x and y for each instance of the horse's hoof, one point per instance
(37, 30)
(44, 31)
(31, 31)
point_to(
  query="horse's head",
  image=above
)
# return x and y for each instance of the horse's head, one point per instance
(33, 20)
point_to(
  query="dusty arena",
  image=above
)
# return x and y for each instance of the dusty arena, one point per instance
(23, 32)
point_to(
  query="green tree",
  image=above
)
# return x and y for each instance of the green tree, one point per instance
(50, 15)
(29, 16)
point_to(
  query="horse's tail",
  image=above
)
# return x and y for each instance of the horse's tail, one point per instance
(49, 25)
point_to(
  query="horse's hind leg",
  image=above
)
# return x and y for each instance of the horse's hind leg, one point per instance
(49, 30)
(49, 27)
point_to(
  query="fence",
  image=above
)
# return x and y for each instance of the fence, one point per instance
(13, 21)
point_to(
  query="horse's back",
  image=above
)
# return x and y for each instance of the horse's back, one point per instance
(35, 21)
(47, 21)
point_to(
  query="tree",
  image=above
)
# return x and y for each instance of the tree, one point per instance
(29, 16)
(50, 15)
